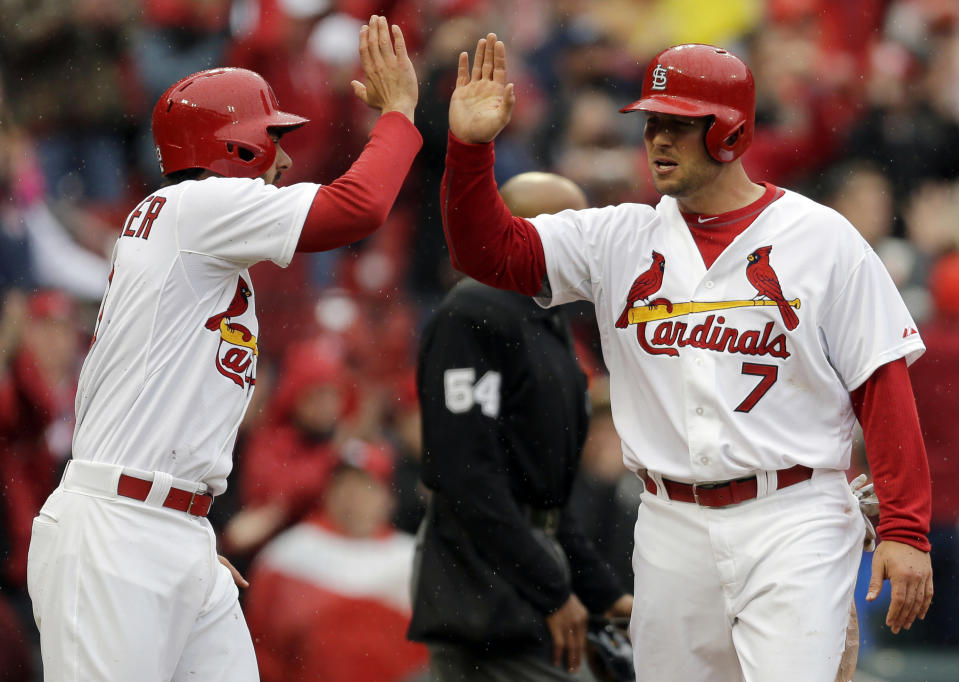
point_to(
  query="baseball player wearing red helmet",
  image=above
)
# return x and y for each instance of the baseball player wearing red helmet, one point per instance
(123, 570)
(754, 327)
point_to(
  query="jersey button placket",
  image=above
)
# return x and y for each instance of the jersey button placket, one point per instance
(699, 371)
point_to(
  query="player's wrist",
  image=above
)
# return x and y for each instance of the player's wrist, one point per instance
(407, 109)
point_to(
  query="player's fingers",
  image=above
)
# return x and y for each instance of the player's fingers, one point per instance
(488, 58)
(365, 60)
(463, 70)
(385, 45)
(237, 576)
(559, 645)
(376, 55)
(510, 97)
(896, 602)
(875, 581)
(919, 603)
(911, 604)
(400, 43)
(926, 598)
(359, 90)
(478, 59)
(574, 649)
(499, 62)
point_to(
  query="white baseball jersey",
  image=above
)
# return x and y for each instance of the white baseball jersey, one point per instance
(707, 381)
(173, 362)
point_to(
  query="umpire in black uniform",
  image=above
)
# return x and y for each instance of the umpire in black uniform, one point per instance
(503, 578)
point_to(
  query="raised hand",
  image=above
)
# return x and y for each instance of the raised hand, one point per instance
(482, 102)
(390, 79)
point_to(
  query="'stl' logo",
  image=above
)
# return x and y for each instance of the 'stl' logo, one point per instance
(659, 78)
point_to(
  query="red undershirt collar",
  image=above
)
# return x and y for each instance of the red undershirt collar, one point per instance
(713, 233)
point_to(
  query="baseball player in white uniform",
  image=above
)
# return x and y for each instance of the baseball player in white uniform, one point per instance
(745, 328)
(123, 569)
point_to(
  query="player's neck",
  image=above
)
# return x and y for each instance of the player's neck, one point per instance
(730, 190)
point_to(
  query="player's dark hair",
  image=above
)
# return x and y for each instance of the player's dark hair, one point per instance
(179, 176)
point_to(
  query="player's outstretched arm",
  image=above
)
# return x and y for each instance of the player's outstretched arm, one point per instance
(359, 201)
(390, 78)
(482, 102)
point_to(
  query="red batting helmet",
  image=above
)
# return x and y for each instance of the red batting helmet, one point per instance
(219, 120)
(702, 80)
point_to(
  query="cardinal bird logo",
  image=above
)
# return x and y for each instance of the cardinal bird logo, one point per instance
(236, 308)
(237, 348)
(762, 276)
(644, 287)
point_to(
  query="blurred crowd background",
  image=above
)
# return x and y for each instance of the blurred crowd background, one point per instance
(858, 107)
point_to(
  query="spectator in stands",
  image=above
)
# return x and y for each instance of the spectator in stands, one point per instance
(37, 387)
(64, 64)
(289, 458)
(329, 597)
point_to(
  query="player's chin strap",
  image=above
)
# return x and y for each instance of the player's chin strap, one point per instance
(868, 506)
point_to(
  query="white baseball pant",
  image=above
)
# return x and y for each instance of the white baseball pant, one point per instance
(127, 590)
(752, 592)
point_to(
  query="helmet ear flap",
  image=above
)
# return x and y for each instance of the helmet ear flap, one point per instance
(725, 143)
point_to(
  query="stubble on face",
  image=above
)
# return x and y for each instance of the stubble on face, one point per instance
(680, 140)
(689, 179)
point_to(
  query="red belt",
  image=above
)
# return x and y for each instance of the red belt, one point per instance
(728, 492)
(187, 501)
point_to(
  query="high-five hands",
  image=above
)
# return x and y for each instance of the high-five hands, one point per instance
(390, 79)
(482, 102)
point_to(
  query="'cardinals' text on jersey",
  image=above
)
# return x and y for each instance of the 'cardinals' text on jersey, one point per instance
(743, 366)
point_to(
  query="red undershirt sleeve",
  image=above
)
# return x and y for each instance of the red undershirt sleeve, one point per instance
(886, 409)
(355, 204)
(485, 241)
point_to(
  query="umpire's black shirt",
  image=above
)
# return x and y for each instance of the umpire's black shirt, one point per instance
(504, 412)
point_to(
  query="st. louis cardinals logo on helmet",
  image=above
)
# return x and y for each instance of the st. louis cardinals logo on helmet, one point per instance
(670, 334)
(659, 78)
(237, 349)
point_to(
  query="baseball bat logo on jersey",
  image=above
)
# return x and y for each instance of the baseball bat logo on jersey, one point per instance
(668, 336)
(234, 357)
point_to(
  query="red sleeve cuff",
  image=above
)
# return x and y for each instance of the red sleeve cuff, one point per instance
(464, 156)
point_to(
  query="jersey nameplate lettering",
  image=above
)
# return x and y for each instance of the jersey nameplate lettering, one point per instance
(145, 224)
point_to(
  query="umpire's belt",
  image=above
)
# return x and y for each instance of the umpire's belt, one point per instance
(725, 493)
(544, 519)
(153, 487)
